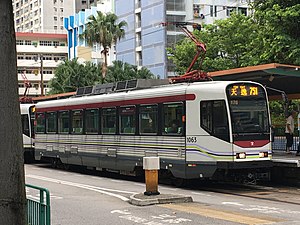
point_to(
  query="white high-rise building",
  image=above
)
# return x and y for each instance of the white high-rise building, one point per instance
(43, 16)
(38, 55)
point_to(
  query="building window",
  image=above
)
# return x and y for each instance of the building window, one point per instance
(46, 43)
(230, 10)
(20, 42)
(175, 5)
(27, 42)
(242, 10)
(216, 11)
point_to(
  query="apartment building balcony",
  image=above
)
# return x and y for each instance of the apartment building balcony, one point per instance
(41, 49)
(35, 78)
(25, 63)
(33, 91)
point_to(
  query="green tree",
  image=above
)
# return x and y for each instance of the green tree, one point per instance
(70, 75)
(103, 29)
(279, 32)
(124, 71)
(12, 179)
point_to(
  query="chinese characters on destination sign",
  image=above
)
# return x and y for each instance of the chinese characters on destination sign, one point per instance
(243, 90)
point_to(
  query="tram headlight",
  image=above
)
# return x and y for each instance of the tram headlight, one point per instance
(241, 155)
(263, 154)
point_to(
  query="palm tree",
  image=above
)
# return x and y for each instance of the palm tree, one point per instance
(12, 184)
(104, 30)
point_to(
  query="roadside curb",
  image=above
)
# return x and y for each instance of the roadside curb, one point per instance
(143, 200)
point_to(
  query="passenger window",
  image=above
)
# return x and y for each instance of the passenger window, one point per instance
(127, 120)
(172, 119)
(77, 121)
(51, 122)
(91, 121)
(109, 121)
(40, 123)
(214, 119)
(63, 122)
(148, 119)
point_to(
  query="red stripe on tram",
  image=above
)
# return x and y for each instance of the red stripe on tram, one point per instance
(175, 98)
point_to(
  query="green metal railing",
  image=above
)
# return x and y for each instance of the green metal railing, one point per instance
(38, 211)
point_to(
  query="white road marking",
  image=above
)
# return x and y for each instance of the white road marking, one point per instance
(198, 193)
(232, 203)
(84, 186)
(155, 220)
(170, 189)
(138, 184)
(116, 181)
(64, 173)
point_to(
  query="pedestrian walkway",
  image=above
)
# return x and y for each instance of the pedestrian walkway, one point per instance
(281, 158)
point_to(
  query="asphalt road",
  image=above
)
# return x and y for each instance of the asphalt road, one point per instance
(92, 199)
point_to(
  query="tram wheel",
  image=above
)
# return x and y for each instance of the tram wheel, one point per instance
(54, 163)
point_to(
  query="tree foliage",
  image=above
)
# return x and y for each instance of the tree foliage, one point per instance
(124, 71)
(103, 29)
(279, 32)
(71, 74)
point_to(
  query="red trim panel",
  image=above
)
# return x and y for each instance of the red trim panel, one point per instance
(252, 143)
(175, 98)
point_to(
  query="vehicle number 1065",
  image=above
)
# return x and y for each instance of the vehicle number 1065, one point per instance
(191, 139)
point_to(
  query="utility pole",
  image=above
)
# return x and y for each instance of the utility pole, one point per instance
(42, 75)
(36, 58)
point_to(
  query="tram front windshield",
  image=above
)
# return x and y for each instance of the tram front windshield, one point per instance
(249, 112)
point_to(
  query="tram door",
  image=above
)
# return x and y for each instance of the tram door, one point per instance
(209, 139)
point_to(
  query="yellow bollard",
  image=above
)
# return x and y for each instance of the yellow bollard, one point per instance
(151, 167)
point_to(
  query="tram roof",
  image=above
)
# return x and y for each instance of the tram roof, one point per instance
(277, 76)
